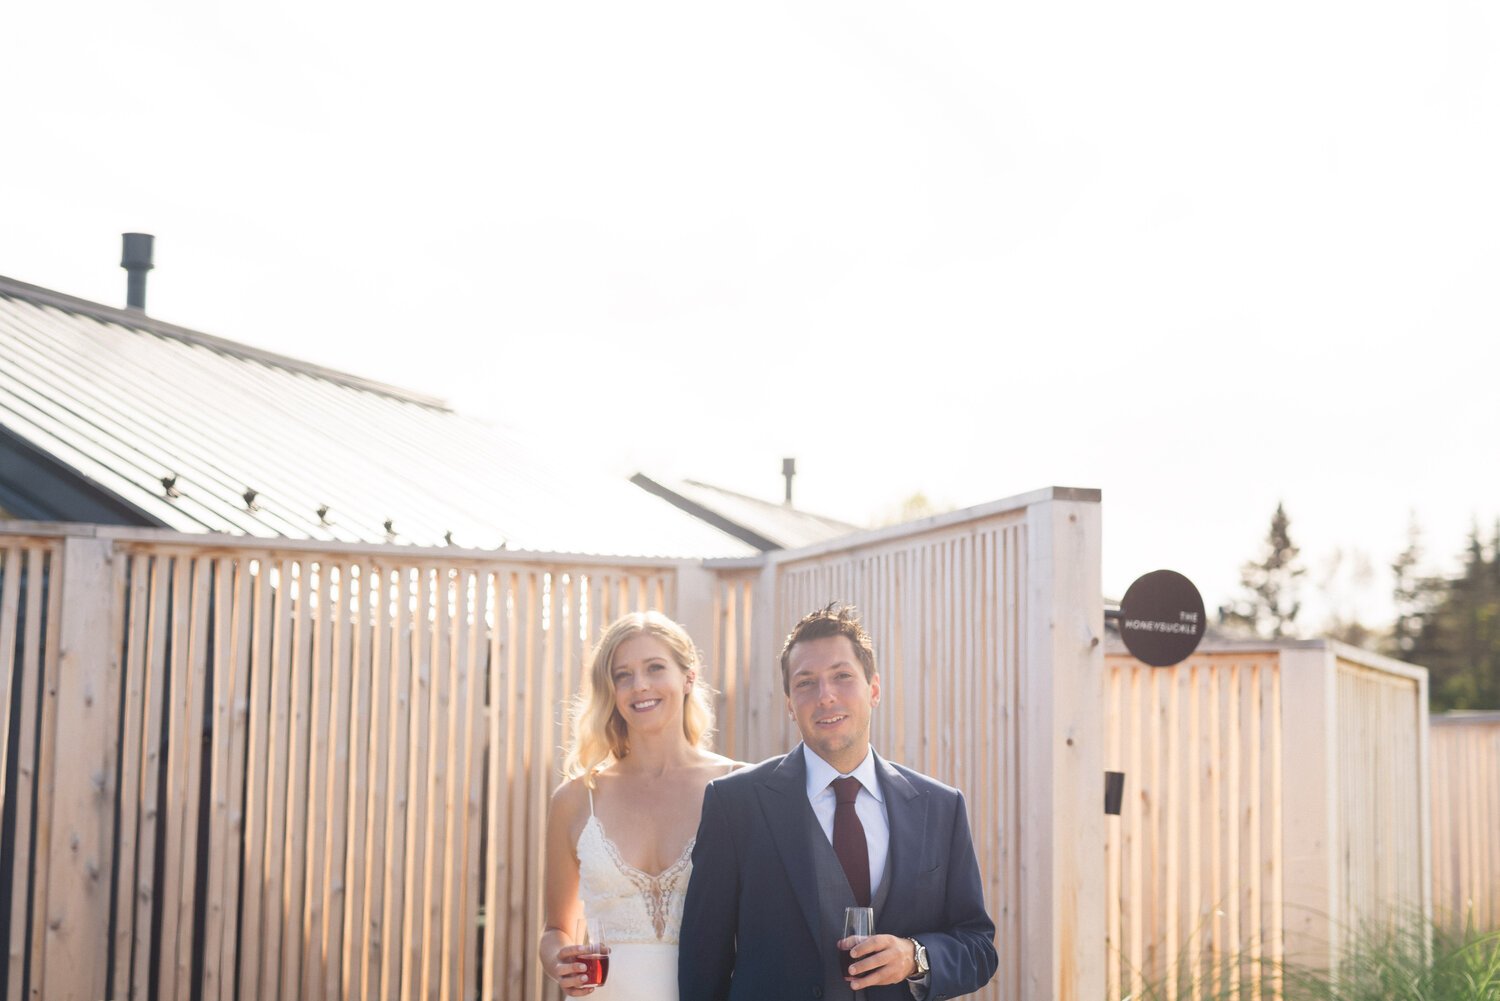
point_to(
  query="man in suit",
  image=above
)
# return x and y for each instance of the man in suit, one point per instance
(784, 846)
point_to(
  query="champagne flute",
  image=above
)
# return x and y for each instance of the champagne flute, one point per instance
(859, 924)
(595, 955)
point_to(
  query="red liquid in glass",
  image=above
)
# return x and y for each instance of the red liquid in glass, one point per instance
(844, 960)
(598, 969)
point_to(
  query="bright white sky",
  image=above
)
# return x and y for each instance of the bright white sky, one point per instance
(1202, 256)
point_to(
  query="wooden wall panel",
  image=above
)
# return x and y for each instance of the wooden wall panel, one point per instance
(1465, 819)
(1382, 792)
(1193, 861)
(945, 611)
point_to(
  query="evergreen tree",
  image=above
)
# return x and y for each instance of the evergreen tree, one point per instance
(1410, 592)
(1269, 604)
(1458, 635)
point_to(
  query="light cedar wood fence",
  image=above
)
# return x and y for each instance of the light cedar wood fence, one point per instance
(1275, 799)
(292, 772)
(1466, 819)
(987, 634)
(251, 769)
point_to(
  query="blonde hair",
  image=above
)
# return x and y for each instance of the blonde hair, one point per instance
(599, 732)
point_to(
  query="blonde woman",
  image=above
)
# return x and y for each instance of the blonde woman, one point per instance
(620, 831)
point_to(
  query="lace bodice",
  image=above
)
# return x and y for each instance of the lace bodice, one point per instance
(634, 906)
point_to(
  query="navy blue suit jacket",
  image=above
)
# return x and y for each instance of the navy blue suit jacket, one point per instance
(749, 921)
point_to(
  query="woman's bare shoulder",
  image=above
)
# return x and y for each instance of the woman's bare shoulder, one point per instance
(721, 765)
(570, 799)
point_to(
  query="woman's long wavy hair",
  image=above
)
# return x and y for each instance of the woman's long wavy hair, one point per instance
(599, 733)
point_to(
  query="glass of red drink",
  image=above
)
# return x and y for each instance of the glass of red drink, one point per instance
(859, 924)
(595, 954)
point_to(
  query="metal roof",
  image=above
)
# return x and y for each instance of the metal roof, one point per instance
(130, 404)
(763, 524)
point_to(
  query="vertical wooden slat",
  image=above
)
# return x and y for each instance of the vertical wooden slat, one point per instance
(440, 792)
(1112, 843)
(535, 762)
(196, 672)
(398, 763)
(261, 783)
(75, 826)
(476, 640)
(307, 923)
(418, 818)
(27, 794)
(379, 665)
(299, 765)
(12, 686)
(275, 908)
(178, 751)
(248, 571)
(359, 824)
(130, 771)
(520, 696)
(1275, 868)
(225, 667)
(343, 667)
(10, 607)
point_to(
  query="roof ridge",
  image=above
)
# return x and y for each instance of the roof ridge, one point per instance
(140, 321)
(771, 504)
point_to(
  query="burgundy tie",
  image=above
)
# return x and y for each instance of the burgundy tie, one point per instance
(849, 840)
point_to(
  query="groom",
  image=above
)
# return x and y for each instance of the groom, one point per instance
(785, 846)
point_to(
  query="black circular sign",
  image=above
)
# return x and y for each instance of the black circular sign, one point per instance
(1161, 618)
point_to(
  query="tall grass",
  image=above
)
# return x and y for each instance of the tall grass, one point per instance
(1409, 960)
(1413, 961)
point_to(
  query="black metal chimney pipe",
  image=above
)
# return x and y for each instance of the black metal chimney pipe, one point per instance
(788, 470)
(136, 260)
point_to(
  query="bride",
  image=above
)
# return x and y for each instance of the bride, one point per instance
(620, 829)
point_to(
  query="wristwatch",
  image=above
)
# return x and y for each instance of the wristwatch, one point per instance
(922, 966)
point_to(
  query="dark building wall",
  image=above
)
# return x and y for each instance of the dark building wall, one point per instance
(36, 487)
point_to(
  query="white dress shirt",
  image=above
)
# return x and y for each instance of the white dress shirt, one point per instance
(869, 805)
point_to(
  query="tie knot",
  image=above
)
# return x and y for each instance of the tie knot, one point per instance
(846, 790)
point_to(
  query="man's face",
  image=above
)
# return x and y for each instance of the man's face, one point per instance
(831, 700)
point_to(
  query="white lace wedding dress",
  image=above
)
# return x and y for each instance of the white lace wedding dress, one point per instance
(641, 915)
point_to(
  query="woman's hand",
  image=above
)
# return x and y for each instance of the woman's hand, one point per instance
(568, 973)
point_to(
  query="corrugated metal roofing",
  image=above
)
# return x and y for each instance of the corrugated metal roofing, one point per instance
(782, 526)
(129, 402)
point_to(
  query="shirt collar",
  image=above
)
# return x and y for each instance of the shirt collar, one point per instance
(820, 773)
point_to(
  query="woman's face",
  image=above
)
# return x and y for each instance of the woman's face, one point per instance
(649, 686)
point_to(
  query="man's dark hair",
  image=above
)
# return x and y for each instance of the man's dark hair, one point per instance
(832, 620)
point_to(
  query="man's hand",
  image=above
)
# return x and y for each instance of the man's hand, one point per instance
(881, 959)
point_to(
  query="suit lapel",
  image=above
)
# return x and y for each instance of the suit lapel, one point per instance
(906, 808)
(783, 800)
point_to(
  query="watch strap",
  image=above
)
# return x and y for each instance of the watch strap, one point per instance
(920, 957)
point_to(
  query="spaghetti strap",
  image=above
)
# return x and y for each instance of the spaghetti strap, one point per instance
(591, 797)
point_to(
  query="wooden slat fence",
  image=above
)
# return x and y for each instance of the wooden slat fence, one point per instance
(28, 662)
(1466, 819)
(1275, 802)
(1193, 896)
(241, 769)
(1384, 841)
(303, 776)
(974, 693)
